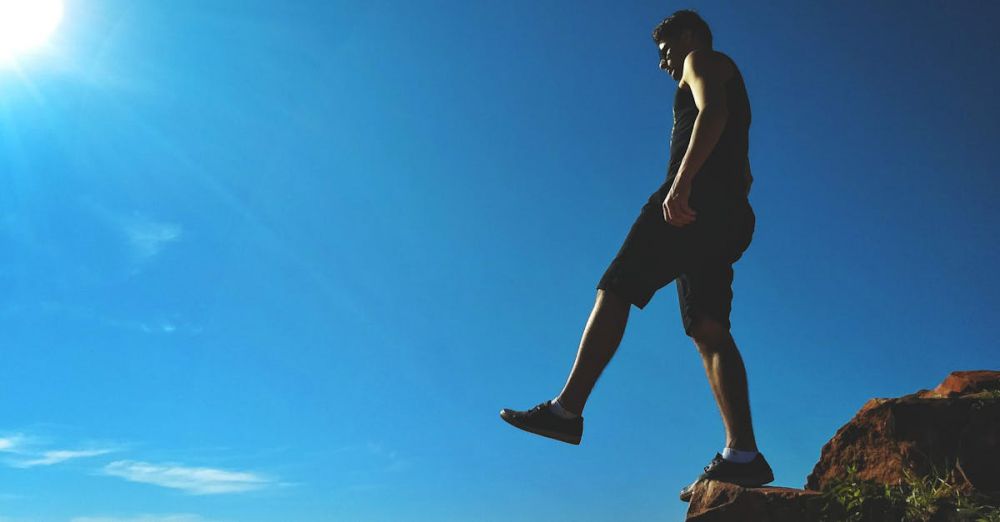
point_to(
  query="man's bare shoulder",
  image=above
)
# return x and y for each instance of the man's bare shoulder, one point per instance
(709, 64)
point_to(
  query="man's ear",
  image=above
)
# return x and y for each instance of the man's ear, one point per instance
(686, 36)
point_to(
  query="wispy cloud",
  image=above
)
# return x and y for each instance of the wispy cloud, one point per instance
(145, 518)
(159, 323)
(10, 443)
(367, 463)
(25, 452)
(198, 481)
(391, 460)
(162, 325)
(148, 237)
(48, 458)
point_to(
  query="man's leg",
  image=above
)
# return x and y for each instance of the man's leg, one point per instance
(649, 258)
(728, 379)
(601, 338)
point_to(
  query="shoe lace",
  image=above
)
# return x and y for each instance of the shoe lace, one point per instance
(539, 407)
(715, 462)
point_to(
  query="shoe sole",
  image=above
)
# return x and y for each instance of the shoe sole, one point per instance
(562, 437)
(744, 482)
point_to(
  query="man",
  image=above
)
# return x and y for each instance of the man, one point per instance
(692, 229)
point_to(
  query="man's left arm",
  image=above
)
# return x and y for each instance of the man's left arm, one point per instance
(703, 72)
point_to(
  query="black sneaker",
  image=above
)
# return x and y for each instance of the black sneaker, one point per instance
(757, 472)
(541, 421)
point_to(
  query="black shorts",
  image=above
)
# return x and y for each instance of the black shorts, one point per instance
(699, 255)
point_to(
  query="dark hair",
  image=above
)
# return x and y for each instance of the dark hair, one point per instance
(675, 24)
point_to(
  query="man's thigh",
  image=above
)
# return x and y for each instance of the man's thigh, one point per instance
(705, 291)
(652, 255)
(705, 286)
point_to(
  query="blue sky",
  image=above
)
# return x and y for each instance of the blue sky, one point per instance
(269, 261)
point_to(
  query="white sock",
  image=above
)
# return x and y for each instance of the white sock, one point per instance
(738, 456)
(557, 408)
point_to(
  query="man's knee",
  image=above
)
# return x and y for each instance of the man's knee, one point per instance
(709, 334)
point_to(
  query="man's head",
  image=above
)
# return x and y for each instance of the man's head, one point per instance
(676, 36)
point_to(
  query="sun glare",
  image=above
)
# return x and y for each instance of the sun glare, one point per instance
(26, 25)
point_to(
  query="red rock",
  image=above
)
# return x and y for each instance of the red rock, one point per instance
(953, 429)
(965, 383)
(960, 434)
(714, 501)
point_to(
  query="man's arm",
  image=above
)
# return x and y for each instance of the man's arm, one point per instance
(749, 176)
(703, 73)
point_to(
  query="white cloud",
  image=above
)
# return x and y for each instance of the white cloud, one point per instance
(25, 452)
(149, 237)
(8, 443)
(162, 323)
(144, 237)
(163, 327)
(48, 458)
(145, 518)
(198, 481)
(391, 460)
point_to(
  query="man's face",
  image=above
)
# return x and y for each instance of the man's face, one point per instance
(673, 50)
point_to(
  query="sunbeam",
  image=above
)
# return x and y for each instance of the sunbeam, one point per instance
(25, 26)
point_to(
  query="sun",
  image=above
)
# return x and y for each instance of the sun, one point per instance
(26, 25)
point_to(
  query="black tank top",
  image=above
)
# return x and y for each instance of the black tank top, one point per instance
(722, 179)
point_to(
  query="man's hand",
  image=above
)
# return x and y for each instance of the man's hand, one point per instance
(675, 206)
